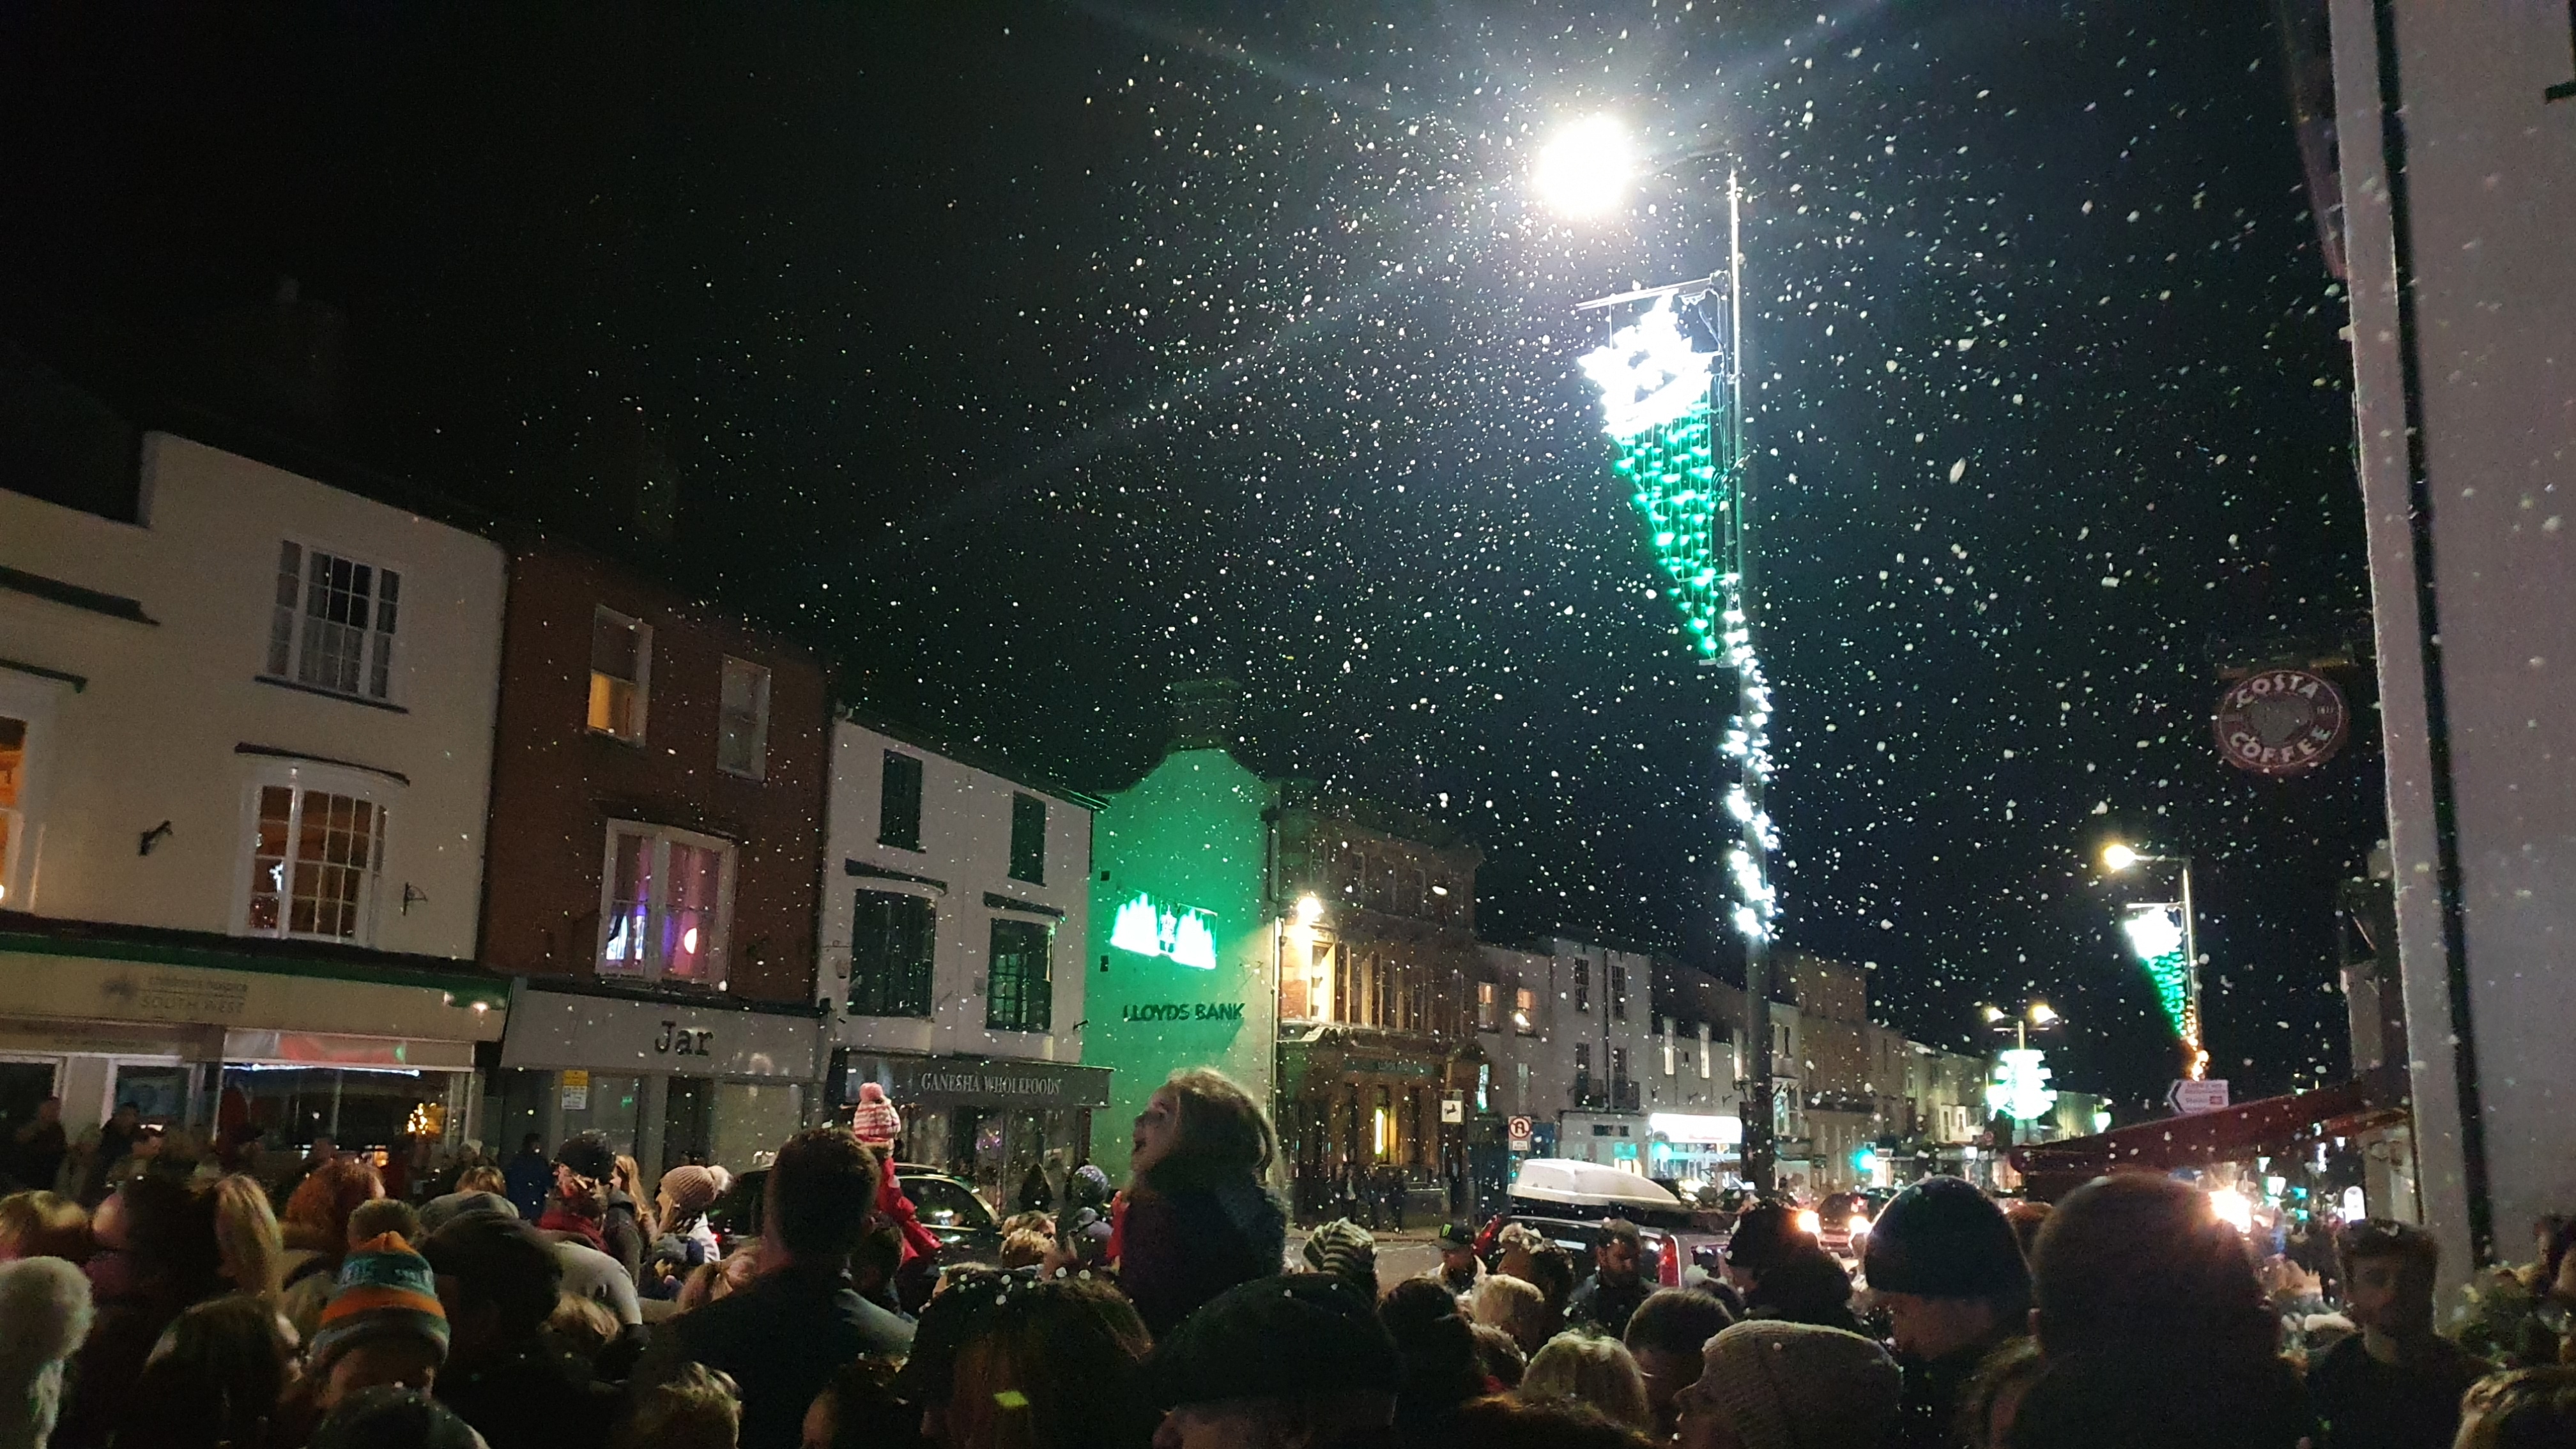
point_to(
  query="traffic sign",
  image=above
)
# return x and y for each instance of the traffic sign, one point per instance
(2189, 1098)
(1522, 1134)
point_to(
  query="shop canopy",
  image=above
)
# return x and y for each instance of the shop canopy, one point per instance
(2267, 1127)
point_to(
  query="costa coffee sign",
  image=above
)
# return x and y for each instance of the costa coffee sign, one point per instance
(2281, 722)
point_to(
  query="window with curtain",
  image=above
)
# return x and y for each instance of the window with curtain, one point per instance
(332, 628)
(666, 899)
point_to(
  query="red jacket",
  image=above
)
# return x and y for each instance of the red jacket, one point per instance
(917, 1240)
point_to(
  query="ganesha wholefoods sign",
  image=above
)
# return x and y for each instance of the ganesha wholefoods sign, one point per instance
(2281, 722)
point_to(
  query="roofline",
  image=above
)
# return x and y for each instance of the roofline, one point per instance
(971, 757)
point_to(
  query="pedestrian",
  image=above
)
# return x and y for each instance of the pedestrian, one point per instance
(1500, 1357)
(1035, 1196)
(384, 1215)
(315, 1229)
(1600, 1373)
(1945, 1264)
(478, 1189)
(115, 1140)
(43, 1225)
(45, 1316)
(1459, 1269)
(874, 1120)
(1616, 1286)
(499, 1280)
(683, 1238)
(530, 1177)
(1198, 1219)
(1517, 1308)
(579, 1207)
(1345, 1250)
(2532, 1408)
(696, 1409)
(2154, 1327)
(1293, 1362)
(219, 1379)
(627, 1222)
(384, 1325)
(37, 1148)
(250, 1249)
(1438, 1349)
(319, 1153)
(1668, 1337)
(782, 1336)
(1769, 1384)
(1346, 1191)
(1391, 1183)
(1515, 1245)
(1082, 1226)
(2396, 1384)
(1783, 1274)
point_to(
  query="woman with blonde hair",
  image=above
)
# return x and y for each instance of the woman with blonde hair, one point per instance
(252, 1250)
(1597, 1372)
(1198, 1219)
(1515, 1306)
(43, 1225)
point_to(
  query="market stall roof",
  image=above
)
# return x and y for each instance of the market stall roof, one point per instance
(2266, 1127)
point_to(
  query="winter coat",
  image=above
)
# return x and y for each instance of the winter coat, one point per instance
(1183, 1246)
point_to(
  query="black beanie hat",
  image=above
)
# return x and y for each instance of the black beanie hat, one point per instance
(1290, 1337)
(1942, 1238)
(1766, 1234)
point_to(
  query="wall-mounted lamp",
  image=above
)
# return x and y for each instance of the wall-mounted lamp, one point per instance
(410, 895)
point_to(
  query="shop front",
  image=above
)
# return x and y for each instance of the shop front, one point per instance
(209, 1033)
(1693, 1149)
(666, 1079)
(1389, 1110)
(985, 1119)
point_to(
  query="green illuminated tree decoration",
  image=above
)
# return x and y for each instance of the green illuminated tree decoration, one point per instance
(2156, 939)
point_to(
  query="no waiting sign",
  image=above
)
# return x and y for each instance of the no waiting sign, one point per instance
(1521, 1134)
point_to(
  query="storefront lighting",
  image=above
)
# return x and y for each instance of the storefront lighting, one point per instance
(1695, 1127)
(1310, 909)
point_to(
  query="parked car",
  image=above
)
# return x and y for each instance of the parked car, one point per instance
(947, 1205)
(1567, 1202)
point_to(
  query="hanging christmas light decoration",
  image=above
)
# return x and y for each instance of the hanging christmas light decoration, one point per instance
(2156, 938)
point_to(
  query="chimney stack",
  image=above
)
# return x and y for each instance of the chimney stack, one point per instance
(1206, 714)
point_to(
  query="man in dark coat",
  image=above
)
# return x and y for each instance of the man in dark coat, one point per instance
(1944, 1263)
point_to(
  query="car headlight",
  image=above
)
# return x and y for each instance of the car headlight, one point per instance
(1809, 1223)
(1858, 1227)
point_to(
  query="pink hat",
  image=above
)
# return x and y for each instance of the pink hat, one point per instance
(875, 1121)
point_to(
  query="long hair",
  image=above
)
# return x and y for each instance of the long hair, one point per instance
(1057, 1364)
(1220, 1133)
(43, 1225)
(1599, 1372)
(317, 1214)
(213, 1382)
(246, 1234)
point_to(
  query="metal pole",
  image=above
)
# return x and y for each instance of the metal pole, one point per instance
(2195, 1064)
(1761, 1152)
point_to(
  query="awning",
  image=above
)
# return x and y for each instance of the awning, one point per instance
(2266, 1127)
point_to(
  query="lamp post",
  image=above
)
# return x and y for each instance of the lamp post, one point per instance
(1677, 417)
(2118, 857)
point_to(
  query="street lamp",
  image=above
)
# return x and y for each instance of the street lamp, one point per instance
(1676, 417)
(2038, 1016)
(2150, 935)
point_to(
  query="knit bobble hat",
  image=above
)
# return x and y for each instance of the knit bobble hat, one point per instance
(1942, 1238)
(1782, 1385)
(691, 1189)
(385, 1291)
(875, 1123)
(1347, 1251)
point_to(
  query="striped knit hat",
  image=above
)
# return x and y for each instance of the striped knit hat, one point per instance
(875, 1121)
(1347, 1251)
(385, 1291)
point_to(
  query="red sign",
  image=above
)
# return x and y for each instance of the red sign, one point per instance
(2281, 722)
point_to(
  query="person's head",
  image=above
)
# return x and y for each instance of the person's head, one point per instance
(146, 1144)
(1580, 1368)
(1024, 1248)
(858, 1409)
(1508, 1422)
(1766, 1384)
(1436, 1345)
(1199, 1125)
(1943, 1261)
(392, 1418)
(2139, 1260)
(1515, 1307)
(323, 1148)
(249, 1248)
(1992, 1400)
(2027, 1218)
(1517, 1242)
(582, 1326)
(685, 1193)
(43, 1225)
(822, 1188)
(1551, 1271)
(216, 1376)
(482, 1178)
(1668, 1336)
(169, 1233)
(625, 1176)
(317, 1213)
(125, 1116)
(384, 1215)
(1347, 1251)
(696, 1408)
(496, 1278)
(1498, 1355)
(583, 1169)
(1054, 1365)
(1765, 1234)
(45, 1314)
(1457, 1249)
(2531, 1408)
(50, 1110)
(1621, 1248)
(383, 1324)
(1293, 1362)
(2388, 1271)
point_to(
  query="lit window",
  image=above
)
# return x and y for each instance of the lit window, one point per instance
(1668, 1048)
(315, 861)
(1525, 1011)
(332, 627)
(1489, 1007)
(1019, 991)
(742, 725)
(665, 905)
(13, 778)
(621, 674)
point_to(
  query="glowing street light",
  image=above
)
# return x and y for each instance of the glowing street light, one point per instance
(2169, 949)
(1586, 169)
(1310, 909)
(2117, 857)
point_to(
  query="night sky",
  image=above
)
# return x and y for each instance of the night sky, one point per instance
(1026, 358)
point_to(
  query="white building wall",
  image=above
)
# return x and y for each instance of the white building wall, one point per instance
(2456, 126)
(966, 849)
(172, 715)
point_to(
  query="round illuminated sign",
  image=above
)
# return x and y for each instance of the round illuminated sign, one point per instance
(2281, 722)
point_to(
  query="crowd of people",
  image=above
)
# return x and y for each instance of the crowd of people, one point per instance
(550, 1303)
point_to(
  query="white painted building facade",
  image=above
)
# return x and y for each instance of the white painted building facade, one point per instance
(956, 907)
(246, 738)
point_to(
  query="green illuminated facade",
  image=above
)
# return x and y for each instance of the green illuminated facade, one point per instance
(1190, 842)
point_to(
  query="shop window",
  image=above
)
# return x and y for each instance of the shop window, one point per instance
(621, 675)
(899, 802)
(332, 627)
(742, 727)
(890, 954)
(1343, 1001)
(316, 857)
(1019, 991)
(1028, 839)
(1489, 1006)
(666, 903)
